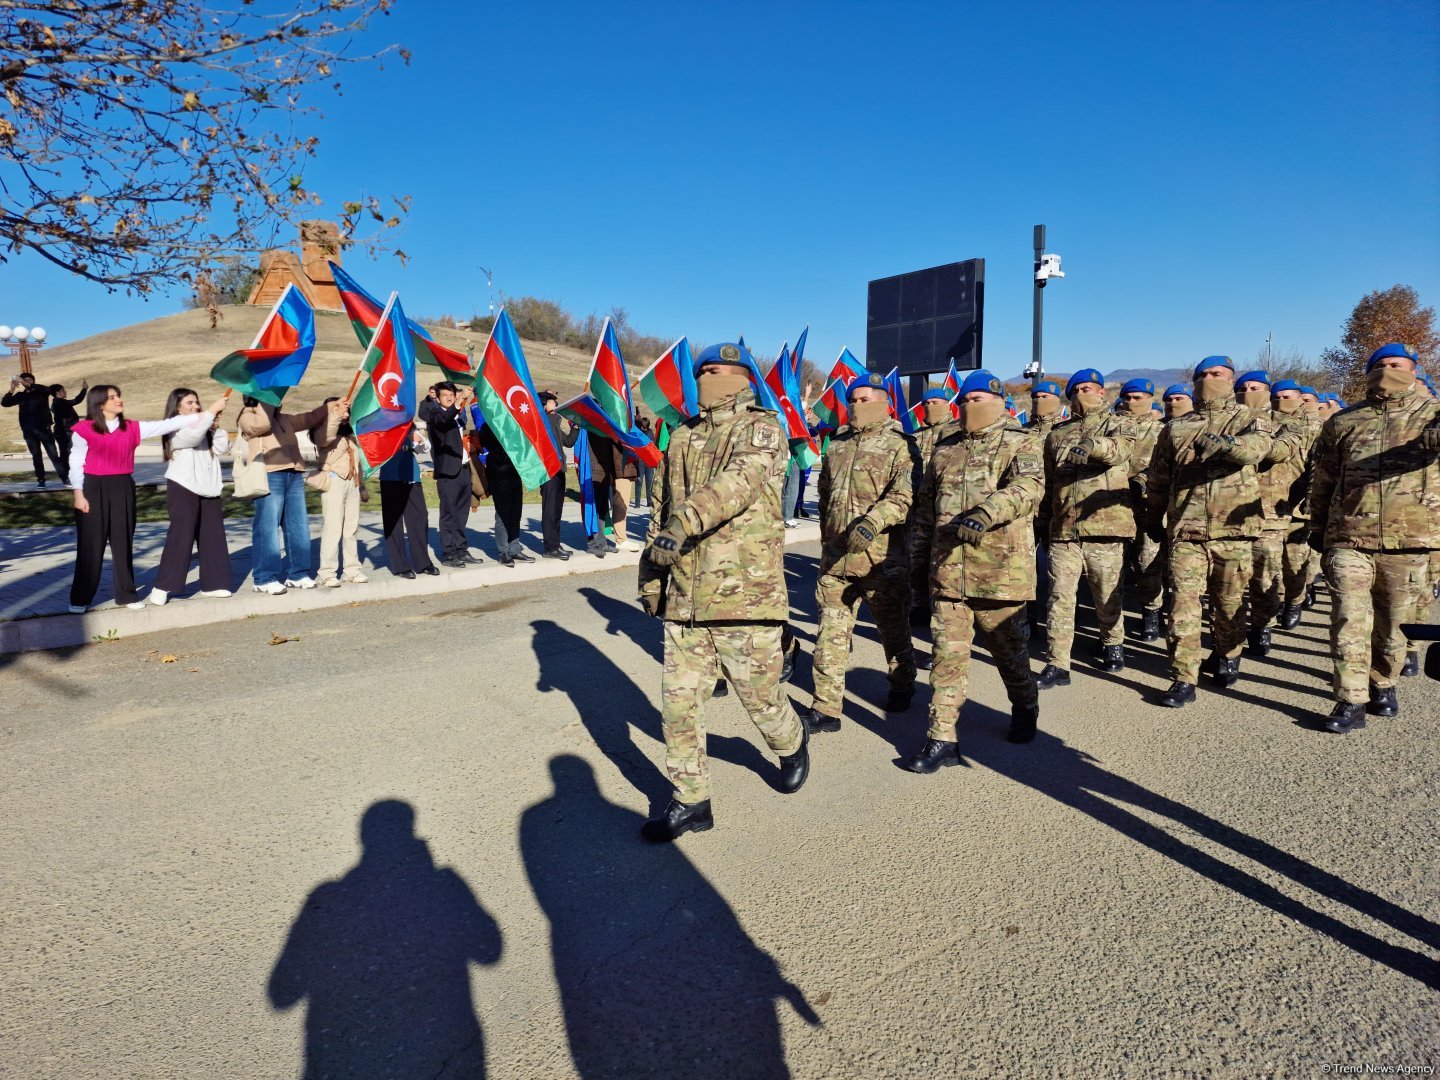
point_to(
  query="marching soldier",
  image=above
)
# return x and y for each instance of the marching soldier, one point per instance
(713, 572)
(937, 416)
(1295, 555)
(1178, 401)
(1203, 497)
(1046, 408)
(973, 516)
(1375, 512)
(865, 492)
(1137, 399)
(1089, 518)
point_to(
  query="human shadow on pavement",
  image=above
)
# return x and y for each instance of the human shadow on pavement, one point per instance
(627, 620)
(657, 977)
(610, 704)
(1072, 777)
(382, 958)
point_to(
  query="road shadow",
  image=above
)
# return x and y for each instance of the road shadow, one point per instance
(657, 976)
(627, 620)
(382, 959)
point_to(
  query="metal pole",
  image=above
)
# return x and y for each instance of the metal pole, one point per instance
(1039, 318)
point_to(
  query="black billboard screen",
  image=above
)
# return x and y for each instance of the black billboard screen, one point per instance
(921, 321)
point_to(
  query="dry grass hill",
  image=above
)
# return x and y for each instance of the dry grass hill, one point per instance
(149, 359)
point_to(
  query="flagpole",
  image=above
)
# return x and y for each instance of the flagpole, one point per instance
(360, 371)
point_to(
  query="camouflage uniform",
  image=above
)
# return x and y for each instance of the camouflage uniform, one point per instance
(1283, 474)
(1211, 510)
(867, 473)
(1088, 517)
(1149, 555)
(998, 470)
(724, 603)
(924, 441)
(1375, 505)
(1299, 559)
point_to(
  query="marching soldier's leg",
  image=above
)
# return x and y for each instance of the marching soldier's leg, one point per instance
(1189, 573)
(1150, 585)
(1066, 562)
(1266, 587)
(1231, 564)
(1424, 598)
(1003, 624)
(888, 595)
(837, 599)
(1350, 575)
(1297, 562)
(953, 624)
(750, 658)
(1105, 571)
(690, 670)
(1399, 577)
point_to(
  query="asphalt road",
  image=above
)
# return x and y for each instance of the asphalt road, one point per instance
(1214, 891)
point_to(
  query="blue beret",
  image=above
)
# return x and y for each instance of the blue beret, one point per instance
(1254, 376)
(1338, 400)
(1309, 390)
(1156, 406)
(725, 353)
(1393, 349)
(1426, 379)
(981, 381)
(1138, 386)
(1178, 388)
(1047, 386)
(936, 393)
(871, 379)
(1088, 374)
(1285, 384)
(1213, 361)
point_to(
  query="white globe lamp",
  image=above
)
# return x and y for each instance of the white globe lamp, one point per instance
(5, 333)
(22, 332)
(37, 333)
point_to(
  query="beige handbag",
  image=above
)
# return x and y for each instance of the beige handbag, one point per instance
(252, 479)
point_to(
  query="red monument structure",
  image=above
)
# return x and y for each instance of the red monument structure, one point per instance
(320, 243)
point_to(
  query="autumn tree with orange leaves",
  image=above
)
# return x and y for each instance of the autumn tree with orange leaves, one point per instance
(1383, 316)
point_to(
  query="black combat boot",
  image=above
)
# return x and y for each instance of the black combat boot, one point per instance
(1112, 658)
(1178, 696)
(1210, 664)
(722, 688)
(1290, 617)
(1023, 719)
(677, 820)
(935, 755)
(923, 661)
(1150, 626)
(1312, 595)
(1412, 665)
(1382, 702)
(816, 722)
(899, 700)
(787, 662)
(1050, 675)
(1227, 672)
(1346, 716)
(1259, 643)
(796, 768)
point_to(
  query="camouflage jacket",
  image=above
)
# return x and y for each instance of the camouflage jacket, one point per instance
(997, 469)
(1147, 433)
(721, 475)
(1041, 426)
(1375, 487)
(1284, 473)
(924, 439)
(1216, 499)
(1091, 500)
(867, 472)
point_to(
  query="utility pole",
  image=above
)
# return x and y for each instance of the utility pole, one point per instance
(489, 288)
(1269, 354)
(1046, 267)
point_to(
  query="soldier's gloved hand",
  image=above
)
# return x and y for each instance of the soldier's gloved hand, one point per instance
(651, 603)
(1430, 436)
(664, 550)
(862, 534)
(971, 526)
(1208, 445)
(1081, 451)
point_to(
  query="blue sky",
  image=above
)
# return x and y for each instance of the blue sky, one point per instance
(1210, 172)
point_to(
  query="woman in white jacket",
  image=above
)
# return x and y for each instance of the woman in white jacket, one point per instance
(192, 496)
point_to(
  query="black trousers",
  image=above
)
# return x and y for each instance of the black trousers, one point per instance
(552, 508)
(195, 521)
(508, 493)
(454, 492)
(604, 498)
(402, 517)
(35, 440)
(64, 437)
(111, 520)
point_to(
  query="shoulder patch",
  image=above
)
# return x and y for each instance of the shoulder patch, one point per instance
(765, 437)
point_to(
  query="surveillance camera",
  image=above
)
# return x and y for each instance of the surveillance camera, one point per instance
(1048, 267)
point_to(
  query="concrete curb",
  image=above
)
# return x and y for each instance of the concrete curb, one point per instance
(66, 631)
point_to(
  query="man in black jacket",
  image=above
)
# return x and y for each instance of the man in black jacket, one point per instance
(552, 492)
(507, 492)
(35, 420)
(444, 420)
(62, 409)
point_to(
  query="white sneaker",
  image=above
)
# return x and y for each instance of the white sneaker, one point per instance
(76, 609)
(215, 592)
(357, 578)
(330, 582)
(274, 588)
(300, 583)
(159, 597)
(791, 523)
(138, 605)
(631, 545)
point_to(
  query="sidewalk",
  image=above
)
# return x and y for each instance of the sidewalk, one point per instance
(36, 566)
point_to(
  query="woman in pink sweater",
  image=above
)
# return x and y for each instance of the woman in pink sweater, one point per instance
(102, 468)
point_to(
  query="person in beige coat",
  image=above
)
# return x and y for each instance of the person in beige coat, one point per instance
(339, 502)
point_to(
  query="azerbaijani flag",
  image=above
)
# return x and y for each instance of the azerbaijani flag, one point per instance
(898, 406)
(846, 367)
(586, 411)
(364, 313)
(668, 386)
(508, 401)
(831, 408)
(278, 358)
(585, 479)
(606, 383)
(784, 375)
(799, 357)
(383, 405)
(782, 382)
(952, 381)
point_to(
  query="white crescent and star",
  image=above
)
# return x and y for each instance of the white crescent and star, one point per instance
(524, 406)
(393, 399)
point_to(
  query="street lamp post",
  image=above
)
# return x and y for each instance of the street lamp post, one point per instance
(23, 341)
(489, 289)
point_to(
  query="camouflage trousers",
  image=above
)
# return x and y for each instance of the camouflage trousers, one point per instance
(1298, 560)
(954, 624)
(888, 595)
(749, 657)
(1426, 596)
(1267, 578)
(1220, 568)
(1149, 572)
(1103, 564)
(1372, 593)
